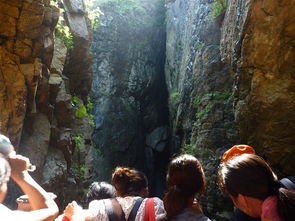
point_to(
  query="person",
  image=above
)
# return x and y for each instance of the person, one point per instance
(185, 180)
(130, 202)
(16, 167)
(99, 191)
(255, 189)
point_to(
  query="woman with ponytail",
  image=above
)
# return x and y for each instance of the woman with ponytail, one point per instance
(255, 189)
(185, 180)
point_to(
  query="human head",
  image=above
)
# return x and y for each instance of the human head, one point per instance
(185, 179)
(100, 190)
(5, 149)
(129, 182)
(4, 177)
(247, 175)
(5, 146)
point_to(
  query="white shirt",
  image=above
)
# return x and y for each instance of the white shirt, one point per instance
(98, 212)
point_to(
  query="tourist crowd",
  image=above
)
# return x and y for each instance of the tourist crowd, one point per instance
(244, 176)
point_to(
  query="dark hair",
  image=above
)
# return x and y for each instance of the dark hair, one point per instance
(100, 190)
(250, 175)
(185, 179)
(129, 182)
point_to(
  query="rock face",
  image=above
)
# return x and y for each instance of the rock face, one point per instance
(258, 43)
(129, 91)
(25, 27)
(79, 58)
(200, 89)
(37, 111)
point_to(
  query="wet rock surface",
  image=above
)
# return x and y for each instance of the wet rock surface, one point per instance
(129, 90)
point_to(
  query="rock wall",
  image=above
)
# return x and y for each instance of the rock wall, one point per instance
(258, 43)
(200, 90)
(37, 111)
(129, 91)
(26, 51)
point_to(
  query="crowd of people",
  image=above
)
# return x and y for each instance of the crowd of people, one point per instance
(244, 176)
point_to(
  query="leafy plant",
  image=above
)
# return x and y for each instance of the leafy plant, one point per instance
(81, 111)
(91, 120)
(203, 112)
(75, 100)
(63, 32)
(78, 142)
(174, 99)
(188, 149)
(89, 105)
(79, 170)
(217, 7)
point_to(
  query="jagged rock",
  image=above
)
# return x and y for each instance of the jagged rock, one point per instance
(54, 169)
(257, 41)
(74, 6)
(199, 85)
(32, 73)
(80, 57)
(23, 48)
(59, 57)
(31, 19)
(8, 21)
(55, 174)
(158, 139)
(12, 102)
(35, 139)
(62, 110)
(76, 19)
(129, 91)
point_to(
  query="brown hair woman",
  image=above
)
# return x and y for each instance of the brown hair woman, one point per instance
(131, 191)
(185, 180)
(255, 189)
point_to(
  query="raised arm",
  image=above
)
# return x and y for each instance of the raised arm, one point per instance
(43, 206)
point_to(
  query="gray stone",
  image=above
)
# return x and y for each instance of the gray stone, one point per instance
(158, 139)
(74, 6)
(35, 141)
(59, 57)
(55, 167)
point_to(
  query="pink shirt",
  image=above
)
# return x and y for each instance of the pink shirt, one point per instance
(270, 209)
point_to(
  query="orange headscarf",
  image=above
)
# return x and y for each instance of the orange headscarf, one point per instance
(237, 150)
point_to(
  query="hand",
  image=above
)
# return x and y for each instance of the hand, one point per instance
(72, 210)
(19, 166)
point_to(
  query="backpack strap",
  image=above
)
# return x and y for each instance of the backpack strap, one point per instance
(288, 183)
(114, 210)
(149, 212)
(134, 210)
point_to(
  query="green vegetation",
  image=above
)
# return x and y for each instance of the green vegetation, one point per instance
(78, 143)
(63, 32)
(199, 45)
(201, 153)
(79, 170)
(81, 110)
(214, 97)
(217, 7)
(174, 99)
(203, 112)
